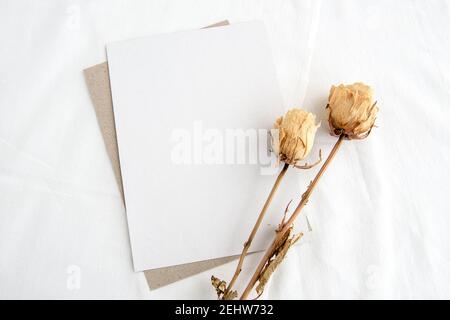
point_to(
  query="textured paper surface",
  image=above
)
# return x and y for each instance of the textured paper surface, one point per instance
(232, 85)
(97, 80)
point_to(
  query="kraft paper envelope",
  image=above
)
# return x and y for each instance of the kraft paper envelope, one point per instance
(97, 80)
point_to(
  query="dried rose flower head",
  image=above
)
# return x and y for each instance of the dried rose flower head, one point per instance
(296, 131)
(351, 110)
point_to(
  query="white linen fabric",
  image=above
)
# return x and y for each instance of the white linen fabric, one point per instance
(380, 215)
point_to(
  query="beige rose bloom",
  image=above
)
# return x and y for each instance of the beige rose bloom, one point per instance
(296, 131)
(351, 110)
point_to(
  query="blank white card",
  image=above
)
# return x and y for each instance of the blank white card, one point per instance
(179, 101)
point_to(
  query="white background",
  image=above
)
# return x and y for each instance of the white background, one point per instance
(381, 214)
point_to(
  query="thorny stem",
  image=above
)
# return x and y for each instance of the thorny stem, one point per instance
(255, 227)
(285, 228)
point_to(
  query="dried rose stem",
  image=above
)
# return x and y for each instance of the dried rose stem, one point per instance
(285, 228)
(256, 226)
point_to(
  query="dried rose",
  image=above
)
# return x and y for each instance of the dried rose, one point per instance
(351, 110)
(296, 131)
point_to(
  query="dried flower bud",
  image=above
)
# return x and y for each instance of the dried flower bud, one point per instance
(351, 110)
(296, 131)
